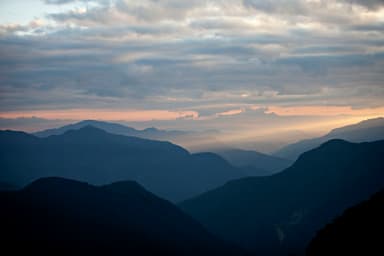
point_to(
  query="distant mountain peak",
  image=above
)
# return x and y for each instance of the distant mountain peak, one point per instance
(89, 128)
(151, 129)
(333, 142)
(114, 128)
(86, 132)
(369, 123)
(364, 131)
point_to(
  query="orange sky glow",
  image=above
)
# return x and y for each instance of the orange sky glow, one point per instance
(111, 115)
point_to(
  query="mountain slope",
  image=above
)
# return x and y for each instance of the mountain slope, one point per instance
(262, 164)
(93, 155)
(114, 128)
(356, 232)
(188, 139)
(6, 186)
(279, 214)
(365, 131)
(71, 217)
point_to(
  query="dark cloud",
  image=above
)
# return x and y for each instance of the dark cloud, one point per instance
(378, 27)
(320, 64)
(371, 4)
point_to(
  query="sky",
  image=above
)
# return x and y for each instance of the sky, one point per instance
(251, 69)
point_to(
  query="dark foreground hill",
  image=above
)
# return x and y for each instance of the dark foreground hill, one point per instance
(55, 216)
(279, 214)
(356, 232)
(93, 155)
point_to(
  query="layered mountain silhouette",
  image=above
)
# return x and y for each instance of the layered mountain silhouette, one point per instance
(365, 131)
(262, 164)
(356, 232)
(114, 128)
(93, 155)
(188, 139)
(55, 216)
(279, 214)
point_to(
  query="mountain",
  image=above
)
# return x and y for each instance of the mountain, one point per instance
(279, 214)
(6, 186)
(194, 141)
(148, 133)
(93, 155)
(356, 232)
(262, 164)
(61, 216)
(365, 131)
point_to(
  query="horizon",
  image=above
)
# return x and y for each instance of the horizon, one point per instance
(255, 71)
(211, 139)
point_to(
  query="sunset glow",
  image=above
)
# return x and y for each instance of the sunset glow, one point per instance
(244, 68)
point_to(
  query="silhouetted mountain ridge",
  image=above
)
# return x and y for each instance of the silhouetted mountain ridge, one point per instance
(69, 217)
(356, 232)
(279, 214)
(115, 128)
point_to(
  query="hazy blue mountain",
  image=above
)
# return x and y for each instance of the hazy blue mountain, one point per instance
(356, 232)
(262, 164)
(188, 139)
(279, 214)
(148, 133)
(93, 155)
(365, 131)
(59, 216)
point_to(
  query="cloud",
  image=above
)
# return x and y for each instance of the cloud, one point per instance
(110, 114)
(279, 6)
(371, 4)
(213, 58)
(30, 124)
(58, 1)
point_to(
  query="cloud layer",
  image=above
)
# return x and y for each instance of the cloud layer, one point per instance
(213, 58)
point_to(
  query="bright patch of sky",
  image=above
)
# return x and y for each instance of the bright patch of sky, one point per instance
(24, 11)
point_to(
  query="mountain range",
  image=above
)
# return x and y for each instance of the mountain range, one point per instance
(280, 214)
(114, 128)
(93, 155)
(56, 216)
(188, 139)
(262, 164)
(365, 131)
(257, 163)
